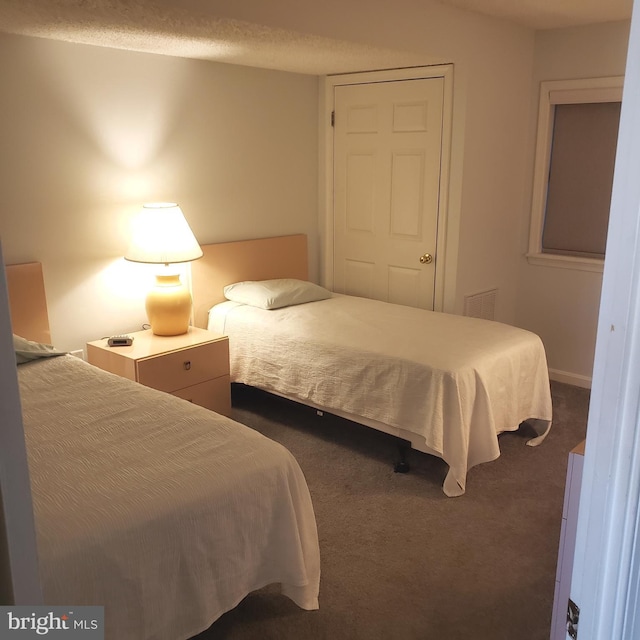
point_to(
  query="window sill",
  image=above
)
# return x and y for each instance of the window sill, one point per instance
(566, 262)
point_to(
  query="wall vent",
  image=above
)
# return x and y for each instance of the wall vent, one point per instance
(481, 305)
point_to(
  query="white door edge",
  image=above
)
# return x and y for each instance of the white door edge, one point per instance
(606, 573)
(19, 558)
(445, 244)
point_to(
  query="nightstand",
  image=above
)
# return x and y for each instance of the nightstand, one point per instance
(193, 366)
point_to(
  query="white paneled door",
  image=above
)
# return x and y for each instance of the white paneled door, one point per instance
(387, 165)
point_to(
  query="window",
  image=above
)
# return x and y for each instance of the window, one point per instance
(575, 155)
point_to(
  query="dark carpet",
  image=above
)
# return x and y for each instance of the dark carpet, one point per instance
(399, 559)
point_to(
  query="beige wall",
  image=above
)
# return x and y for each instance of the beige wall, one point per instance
(498, 68)
(95, 132)
(493, 62)
(561, 305)
(89, 134)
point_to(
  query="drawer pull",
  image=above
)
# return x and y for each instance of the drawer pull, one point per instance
(187, 365)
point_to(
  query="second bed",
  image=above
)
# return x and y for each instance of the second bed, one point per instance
(447, 384)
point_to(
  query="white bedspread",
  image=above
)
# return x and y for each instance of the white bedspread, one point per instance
(166, 513)
(455, 382)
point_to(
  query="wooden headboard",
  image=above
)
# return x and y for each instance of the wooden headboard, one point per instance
(28, 302)
(229, 262)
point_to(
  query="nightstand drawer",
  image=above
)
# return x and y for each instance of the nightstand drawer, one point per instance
(212, 394)
(185, 367)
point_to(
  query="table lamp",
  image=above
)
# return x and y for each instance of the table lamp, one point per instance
(161, 235)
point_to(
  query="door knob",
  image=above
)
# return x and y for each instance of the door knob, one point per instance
(427, 258)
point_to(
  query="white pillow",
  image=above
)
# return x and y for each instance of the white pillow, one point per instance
(274, 294)
(27, 350)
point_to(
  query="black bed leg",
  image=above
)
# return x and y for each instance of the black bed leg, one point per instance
(402, 466)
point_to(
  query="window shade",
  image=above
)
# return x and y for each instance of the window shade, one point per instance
(580, 178)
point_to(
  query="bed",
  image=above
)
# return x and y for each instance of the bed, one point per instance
(164, 512)
(447, 384)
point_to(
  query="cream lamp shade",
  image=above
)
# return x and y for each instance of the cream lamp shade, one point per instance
(160, 234)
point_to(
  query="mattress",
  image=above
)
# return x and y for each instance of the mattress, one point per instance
(162, 511)
(451, 383)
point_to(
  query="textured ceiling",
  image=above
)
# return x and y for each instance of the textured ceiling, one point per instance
(171, 29)
(192, 28)
(549, 14)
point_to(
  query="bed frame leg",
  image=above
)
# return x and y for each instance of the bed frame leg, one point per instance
(402, 466)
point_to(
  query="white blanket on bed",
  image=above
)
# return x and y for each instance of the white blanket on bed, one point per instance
(456, 382)
(164, 512)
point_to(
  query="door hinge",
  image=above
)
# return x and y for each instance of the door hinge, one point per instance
(333, 118)
(573, 614)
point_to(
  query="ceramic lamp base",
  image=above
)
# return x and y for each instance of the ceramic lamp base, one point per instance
(168, 306)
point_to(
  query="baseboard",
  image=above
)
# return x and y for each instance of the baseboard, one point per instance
(575, 379)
